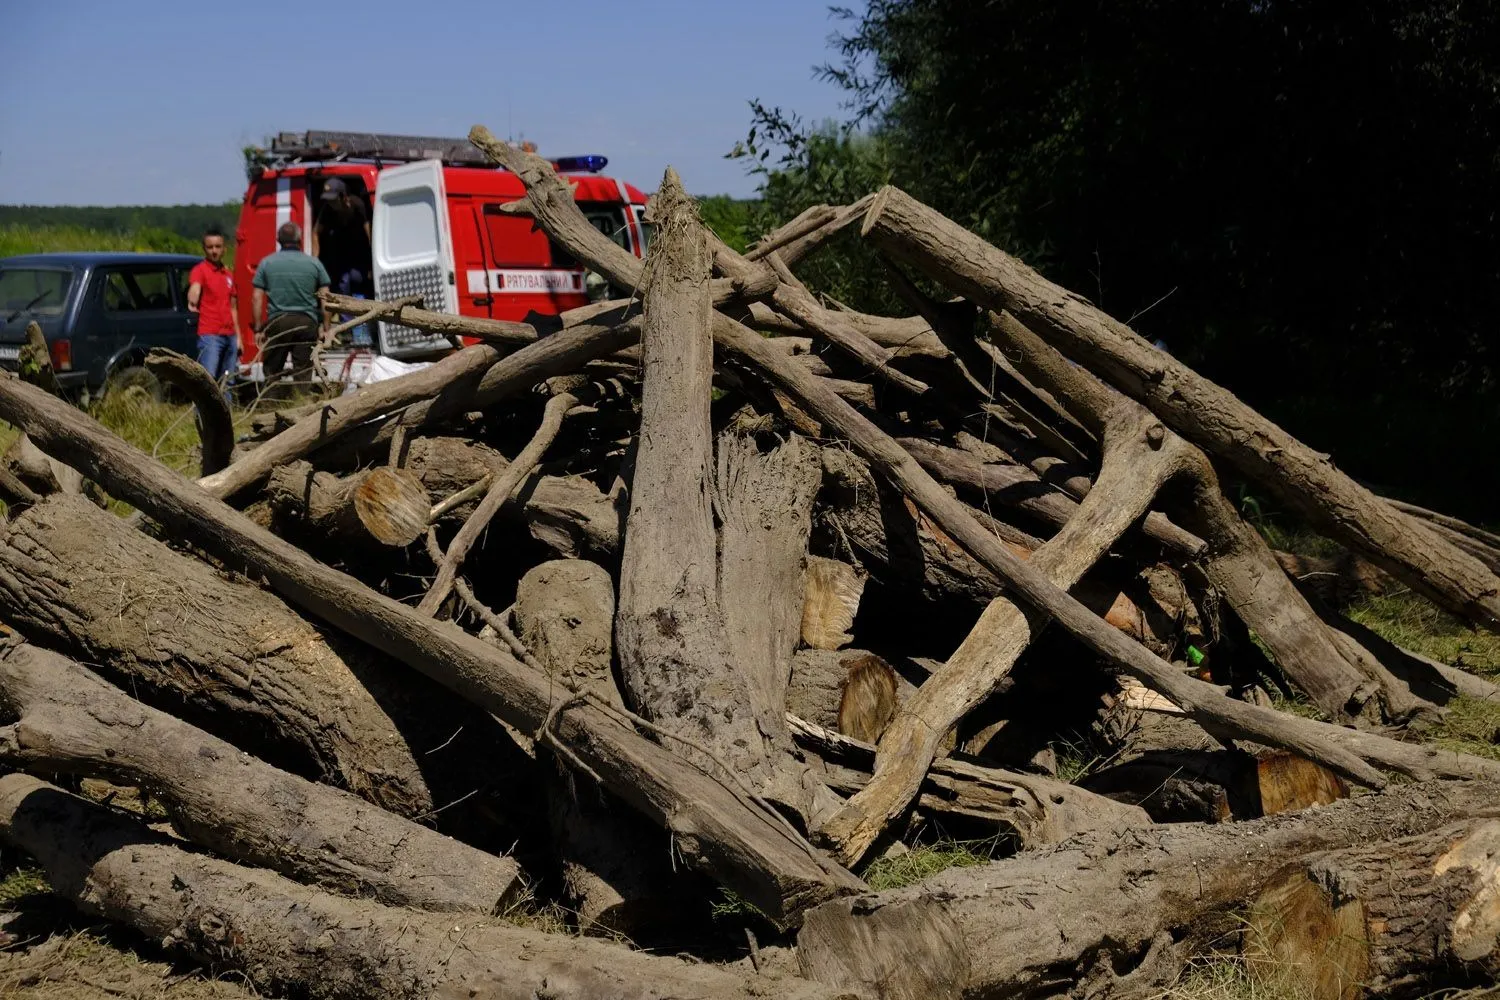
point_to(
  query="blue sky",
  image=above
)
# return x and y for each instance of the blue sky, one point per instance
(149, 102)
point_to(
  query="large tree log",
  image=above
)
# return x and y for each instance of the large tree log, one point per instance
(215, 425)
(676, 659)
(234, 659)
(289, 939)
(71, 722)
(616, 868)
(1379, 920)
(1329, 745)
(716, 827)
(1201, 411)
(1102, 915)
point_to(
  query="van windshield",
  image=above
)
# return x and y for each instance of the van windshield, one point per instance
(38, 291)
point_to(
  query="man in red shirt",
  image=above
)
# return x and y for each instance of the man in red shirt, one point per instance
(211, 295)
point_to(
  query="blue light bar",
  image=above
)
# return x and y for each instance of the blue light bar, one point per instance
(593, 163)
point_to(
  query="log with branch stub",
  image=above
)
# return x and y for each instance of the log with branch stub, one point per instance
(720, 829)
(71, 722)
(1201, 411)
(291, 939)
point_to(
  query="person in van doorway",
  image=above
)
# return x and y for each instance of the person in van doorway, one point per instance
(341, 240)
(212, 296)
(287, 305)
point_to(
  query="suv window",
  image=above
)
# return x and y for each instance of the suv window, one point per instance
(39, 291)
(137, 290)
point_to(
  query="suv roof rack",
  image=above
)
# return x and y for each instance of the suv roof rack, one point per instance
(319, 145)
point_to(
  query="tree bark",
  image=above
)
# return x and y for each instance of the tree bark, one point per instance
(381, 506)
(287, 938)
(215, 425)
(616, 868)
(716, 826)
(235, 660)
(1394, 919)
(71, 722)
(1100, 915)
(677, 651)
(1201, 411)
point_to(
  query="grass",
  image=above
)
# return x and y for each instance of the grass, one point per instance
(21, 882)
(925, 860)
(1412, 622)
(20, 239)
(1223, 977)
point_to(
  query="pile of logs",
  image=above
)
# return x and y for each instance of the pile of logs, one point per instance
(684, 612)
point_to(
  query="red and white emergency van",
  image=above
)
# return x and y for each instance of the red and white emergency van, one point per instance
(437, 226)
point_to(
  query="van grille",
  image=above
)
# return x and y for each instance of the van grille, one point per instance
(425, 280)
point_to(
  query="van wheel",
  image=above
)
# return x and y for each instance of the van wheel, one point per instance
(122, 380)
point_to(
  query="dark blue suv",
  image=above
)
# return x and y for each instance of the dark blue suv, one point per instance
(100, 313)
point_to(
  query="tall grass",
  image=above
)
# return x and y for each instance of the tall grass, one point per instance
(16, 239)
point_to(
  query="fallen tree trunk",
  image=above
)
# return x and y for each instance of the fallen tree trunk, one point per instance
(1341, 678)
(1201, 411)
(71, 722)
(287, 938)
(1401, 917)
(718, 828)
(236, 661)
(1121, 916)
(215, 425)
(567, 513)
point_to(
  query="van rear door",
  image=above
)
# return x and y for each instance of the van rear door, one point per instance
(412, 250)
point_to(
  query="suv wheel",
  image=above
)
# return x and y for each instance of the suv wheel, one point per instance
(123, 379)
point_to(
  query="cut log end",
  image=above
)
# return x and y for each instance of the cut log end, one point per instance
(392, 505)
(830, 602)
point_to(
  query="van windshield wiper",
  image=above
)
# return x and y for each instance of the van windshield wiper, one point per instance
(30, 305)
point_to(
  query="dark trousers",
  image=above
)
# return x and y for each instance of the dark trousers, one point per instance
(289, 334)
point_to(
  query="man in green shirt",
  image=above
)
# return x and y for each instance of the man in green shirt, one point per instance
(287, 305)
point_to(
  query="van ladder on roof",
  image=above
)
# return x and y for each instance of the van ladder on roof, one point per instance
(372, 146)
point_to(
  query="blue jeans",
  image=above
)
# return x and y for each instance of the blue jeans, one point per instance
(219, 354)
(352, 283)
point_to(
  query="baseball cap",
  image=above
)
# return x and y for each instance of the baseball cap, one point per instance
(332, 188)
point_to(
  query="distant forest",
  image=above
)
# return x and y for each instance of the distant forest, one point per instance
(186, 221)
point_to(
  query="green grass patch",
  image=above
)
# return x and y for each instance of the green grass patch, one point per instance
(22, 882)
(1414, 623)
(918, 863)
(1469, 725)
